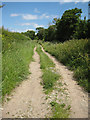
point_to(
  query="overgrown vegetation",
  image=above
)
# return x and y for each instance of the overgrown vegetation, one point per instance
(49, 76)
(49, 79)
(59, 110)
(30, 34)
(74, 54)
(10, 38)
(17, 54)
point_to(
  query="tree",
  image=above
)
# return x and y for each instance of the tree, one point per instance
(46, 35)
(30, 34)
(67, 24)
(81, 30)
(51, 33)
(40, 33)
(88, 26)
(55, 20)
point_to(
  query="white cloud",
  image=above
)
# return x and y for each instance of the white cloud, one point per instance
(17, 30)
(25, 24)
(14, 15)
(36, 10)
(29, 30)
(34, 17)
(35, 25)
(25, 16)
(29, 17)
(20, 30)
(44, 16)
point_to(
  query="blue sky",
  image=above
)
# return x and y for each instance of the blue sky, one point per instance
(23, 16)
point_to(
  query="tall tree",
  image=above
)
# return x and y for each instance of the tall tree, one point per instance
(67, 24)
(88, 26)
(30, 34)
(40, 32)
(81, 30)
(51, 33)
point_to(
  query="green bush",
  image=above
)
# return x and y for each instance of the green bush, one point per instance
(73, 53)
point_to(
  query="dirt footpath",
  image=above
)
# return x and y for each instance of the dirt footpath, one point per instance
(28, 100)
(79, 99)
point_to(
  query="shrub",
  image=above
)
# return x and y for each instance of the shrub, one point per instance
(73, 53)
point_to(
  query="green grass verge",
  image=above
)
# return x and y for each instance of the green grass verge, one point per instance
(15, 64)
(15, 61)
(75, 55)
(49, 76)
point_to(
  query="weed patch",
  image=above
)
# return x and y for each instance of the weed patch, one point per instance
(59, 110)
(49, 80)
(49, 76)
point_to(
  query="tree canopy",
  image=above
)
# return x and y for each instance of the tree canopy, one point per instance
(66, 26)
(69, 26)
(30, 34)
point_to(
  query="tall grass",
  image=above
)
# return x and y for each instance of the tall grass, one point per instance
(74, 54)
(17, 54)
(10, 38)
(46, 62)
(49, 76)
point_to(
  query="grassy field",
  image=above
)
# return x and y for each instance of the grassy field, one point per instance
(49, 76)
(74, 54)
(17, 54)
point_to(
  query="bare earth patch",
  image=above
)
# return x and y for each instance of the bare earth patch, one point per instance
(78, 98)
(28, 100)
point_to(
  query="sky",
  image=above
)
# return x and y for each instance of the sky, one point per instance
(23, 16)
